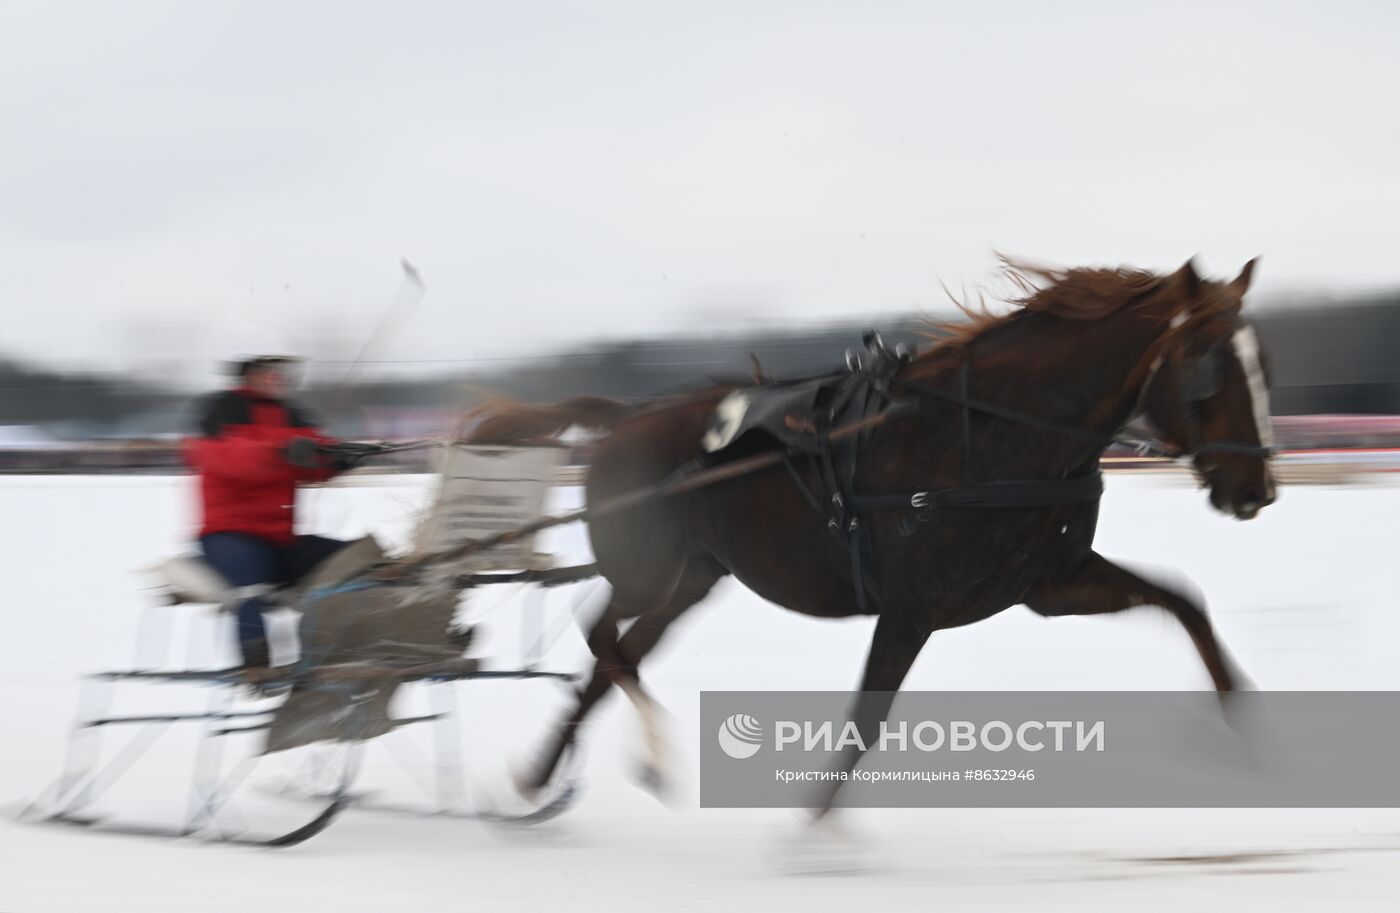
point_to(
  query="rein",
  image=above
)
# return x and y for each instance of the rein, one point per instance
(685, 479)
(844, 508)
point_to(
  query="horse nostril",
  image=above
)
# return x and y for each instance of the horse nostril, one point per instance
(1256, 497)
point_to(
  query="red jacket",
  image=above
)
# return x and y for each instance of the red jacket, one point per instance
(246, 483)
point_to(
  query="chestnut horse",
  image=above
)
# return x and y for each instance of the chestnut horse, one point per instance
(1035, 394)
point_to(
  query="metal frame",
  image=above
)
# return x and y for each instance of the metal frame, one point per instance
(90, 769)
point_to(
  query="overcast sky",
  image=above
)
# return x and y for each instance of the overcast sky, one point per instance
(175, 176)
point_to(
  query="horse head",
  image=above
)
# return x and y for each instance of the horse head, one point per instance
(1207, 394)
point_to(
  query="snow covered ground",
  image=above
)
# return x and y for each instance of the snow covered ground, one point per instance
(1304, 596)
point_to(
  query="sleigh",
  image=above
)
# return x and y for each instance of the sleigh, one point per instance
(367, 635)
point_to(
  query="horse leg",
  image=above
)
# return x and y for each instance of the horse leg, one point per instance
(896, 644)
(620, 658)
(1097, 586)
(540, 773)
(614, 654)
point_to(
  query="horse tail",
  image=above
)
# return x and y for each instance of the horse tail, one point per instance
(507, 422)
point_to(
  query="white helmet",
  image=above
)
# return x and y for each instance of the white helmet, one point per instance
(252, 345)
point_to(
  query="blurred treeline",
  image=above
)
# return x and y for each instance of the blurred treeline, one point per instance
(1337, 357)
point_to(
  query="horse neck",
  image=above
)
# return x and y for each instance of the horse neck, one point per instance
(1081, 375)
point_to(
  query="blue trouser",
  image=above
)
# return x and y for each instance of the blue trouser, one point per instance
(246, 560)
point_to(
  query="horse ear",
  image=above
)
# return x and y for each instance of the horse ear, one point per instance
(1241, 282)
(1188, 278)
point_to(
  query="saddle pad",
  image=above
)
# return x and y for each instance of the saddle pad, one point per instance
(788, 413)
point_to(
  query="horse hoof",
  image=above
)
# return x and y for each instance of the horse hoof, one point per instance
(1245, 719)
(1240, 680)
(652, 779)
(528, 782)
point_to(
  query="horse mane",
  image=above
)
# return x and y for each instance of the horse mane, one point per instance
(1083, 294)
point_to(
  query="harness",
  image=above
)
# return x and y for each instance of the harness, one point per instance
(868, 389)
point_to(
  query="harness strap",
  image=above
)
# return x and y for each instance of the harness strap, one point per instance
(1254, 450)
(812, 500)
(992, 495)
(856, 546)
(964, 370)
(1015, 415)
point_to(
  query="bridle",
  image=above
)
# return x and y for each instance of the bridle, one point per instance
(1200, 378)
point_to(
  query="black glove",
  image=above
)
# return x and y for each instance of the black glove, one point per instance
(347, 454)
(304, 453)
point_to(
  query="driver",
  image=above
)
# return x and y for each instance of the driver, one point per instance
(252, 449)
